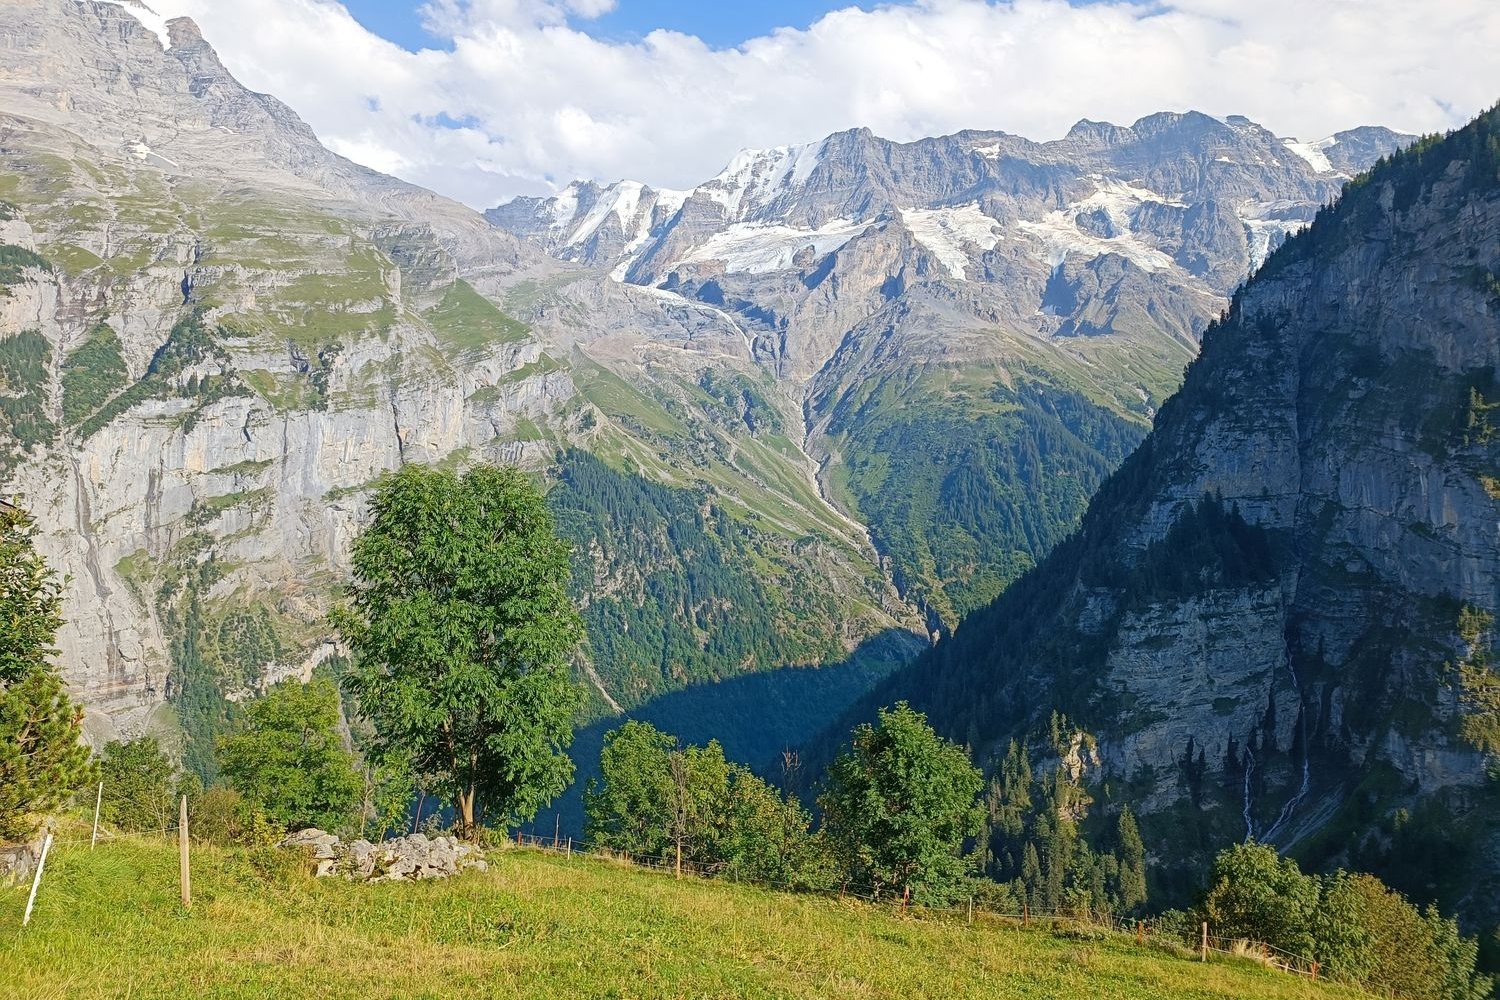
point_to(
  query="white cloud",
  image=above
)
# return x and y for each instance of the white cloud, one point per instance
(539, 103)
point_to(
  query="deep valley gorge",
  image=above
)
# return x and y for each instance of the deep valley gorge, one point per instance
(1157, 464)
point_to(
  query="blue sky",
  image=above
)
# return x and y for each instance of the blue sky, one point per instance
(719, 23)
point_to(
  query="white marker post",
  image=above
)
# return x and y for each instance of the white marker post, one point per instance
(36, 879)
(98, 800)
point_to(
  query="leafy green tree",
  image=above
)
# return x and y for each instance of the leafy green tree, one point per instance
(42, 761)
(140, 785)
(899, 805)
(1257, 894)
(655, 798)
(289, 759)
(461, 628)
(1357, 928)
(627, 807)
(766, 837)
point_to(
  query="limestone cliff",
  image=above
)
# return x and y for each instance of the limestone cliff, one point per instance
(1276, 614)
(215, 335)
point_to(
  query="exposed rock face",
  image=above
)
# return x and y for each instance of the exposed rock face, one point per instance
(1274, 609)
(240, 332)
(942, 277)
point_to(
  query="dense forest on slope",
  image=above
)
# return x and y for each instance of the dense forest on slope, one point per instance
(1262, 606)
(677, 591)
(967, 482)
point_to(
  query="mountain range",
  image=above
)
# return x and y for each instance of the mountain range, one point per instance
(1275, 620)
(817, 410)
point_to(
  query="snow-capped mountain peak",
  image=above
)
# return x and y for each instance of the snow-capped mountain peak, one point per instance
(756, 177)
(1181, 200)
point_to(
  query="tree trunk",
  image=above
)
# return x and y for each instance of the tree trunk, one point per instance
(466, 814)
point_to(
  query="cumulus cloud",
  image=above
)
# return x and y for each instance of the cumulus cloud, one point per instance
(519, 100)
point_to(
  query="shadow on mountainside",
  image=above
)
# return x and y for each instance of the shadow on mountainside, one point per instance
(754, 717)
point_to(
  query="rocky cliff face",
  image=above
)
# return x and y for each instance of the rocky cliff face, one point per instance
(948, 310)
(215, 335)
(1276, 615)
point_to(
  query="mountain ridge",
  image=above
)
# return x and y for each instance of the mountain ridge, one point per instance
(1274, 615)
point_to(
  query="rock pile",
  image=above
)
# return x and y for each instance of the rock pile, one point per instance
(413, 857)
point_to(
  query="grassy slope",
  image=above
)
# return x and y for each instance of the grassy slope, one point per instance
(108, 925)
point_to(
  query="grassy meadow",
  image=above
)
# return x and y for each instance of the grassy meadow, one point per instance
(108, 924)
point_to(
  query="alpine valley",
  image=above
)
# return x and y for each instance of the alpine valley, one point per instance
(799, 422)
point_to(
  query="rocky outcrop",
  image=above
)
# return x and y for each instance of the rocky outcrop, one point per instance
(411, 858)
(273, 328)
(1276, 611)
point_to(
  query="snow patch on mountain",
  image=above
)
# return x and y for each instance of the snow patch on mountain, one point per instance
(758, 248)
(949, 232)
(683, 302)
(1114, 202)
(1312, 152)
(562, 208)
(150, 19)
(621, 200)
(756, 177)
(1267, 225)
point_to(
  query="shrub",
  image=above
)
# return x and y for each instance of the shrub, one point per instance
(289, 759)
(139, 786)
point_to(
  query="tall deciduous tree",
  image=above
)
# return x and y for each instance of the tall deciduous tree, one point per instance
(461, 626)
(41, 759)
(899, 805)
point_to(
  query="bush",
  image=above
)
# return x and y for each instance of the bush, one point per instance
(1355, 926)
(654, 798)
(1257, 894)
(139, 786)
(222, 816)
(289, 760)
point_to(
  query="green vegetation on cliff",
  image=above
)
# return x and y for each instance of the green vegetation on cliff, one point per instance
(93, 372)
(24, 423)
(679, 591)
(967, 482)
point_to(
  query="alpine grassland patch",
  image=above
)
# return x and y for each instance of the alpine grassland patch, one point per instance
(467, 321)
(108, 923)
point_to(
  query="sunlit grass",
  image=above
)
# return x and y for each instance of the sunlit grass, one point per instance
(109, 924)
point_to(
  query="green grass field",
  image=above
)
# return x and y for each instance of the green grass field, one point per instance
(109, 924)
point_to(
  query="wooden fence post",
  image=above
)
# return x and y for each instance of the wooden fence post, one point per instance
(1205, 940)
(570, 847)
(1315, 971)
(971, 909)
(36, 879)
(1025, 914)
(1140, 932)
(182, 850)
(557, 831)
(904, 897)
